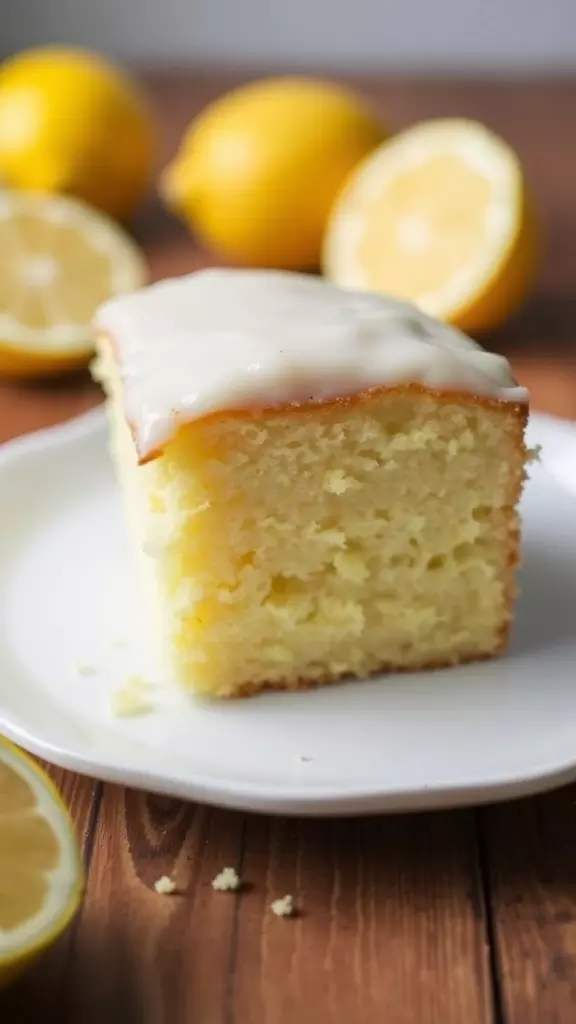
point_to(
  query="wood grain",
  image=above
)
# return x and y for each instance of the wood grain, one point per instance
(404, 920)
(384, 932)
(529, 848)
(391, 929)
(144, 958)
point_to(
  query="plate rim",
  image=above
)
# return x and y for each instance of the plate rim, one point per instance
(254, 796)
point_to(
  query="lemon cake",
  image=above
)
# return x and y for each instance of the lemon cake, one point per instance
(320, 483)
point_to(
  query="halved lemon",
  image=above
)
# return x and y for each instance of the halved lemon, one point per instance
(438, 215)
(41, 873)
(59, 259)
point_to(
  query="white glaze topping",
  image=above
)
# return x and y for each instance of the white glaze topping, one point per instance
(220, 339)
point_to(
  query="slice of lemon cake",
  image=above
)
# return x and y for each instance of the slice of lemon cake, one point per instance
(320, 483)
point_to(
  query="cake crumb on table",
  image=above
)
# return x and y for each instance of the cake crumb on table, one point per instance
(284, 906)
(165, 886)
(227, 880)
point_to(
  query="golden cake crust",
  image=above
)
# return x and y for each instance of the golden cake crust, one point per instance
(303, 408)
(251, 689)
(520, 409)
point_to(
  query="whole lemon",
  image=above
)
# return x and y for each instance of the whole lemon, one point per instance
(72, 123)
(259, 169)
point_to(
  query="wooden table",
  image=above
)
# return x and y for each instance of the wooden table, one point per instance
(464, 917)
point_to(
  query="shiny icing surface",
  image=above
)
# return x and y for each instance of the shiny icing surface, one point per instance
(219, 340)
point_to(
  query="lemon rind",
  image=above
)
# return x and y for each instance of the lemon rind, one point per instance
(42, 930)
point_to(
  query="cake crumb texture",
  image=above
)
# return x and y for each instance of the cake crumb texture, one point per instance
(227, 880)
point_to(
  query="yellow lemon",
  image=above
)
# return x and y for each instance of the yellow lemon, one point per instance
(41, 874)
(259, 169)
(72, 123)
(59, 259)
(438, 215)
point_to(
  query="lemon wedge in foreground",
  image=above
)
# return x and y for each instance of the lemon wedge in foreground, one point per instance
(59, 259)
(41, 874)
(438, 216)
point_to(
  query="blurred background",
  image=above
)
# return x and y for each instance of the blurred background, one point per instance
(259, 188)
(377, 35)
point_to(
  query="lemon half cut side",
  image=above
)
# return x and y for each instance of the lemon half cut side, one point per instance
(440, 216)
(59, 259)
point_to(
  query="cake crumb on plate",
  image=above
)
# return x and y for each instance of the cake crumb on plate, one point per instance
(132, 698)
(84, 669)
(284, 906)
(137, 682)
(116, 643)
(165, 886)
(228, 880)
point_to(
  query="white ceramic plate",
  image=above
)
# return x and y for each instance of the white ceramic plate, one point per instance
(67, 595)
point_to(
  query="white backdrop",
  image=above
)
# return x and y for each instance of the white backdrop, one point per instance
(530, 35)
